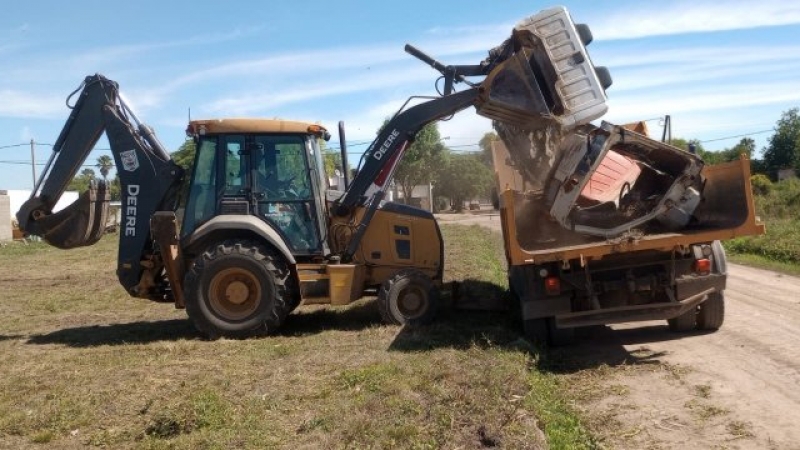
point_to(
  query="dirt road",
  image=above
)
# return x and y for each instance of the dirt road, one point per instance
(736, 388)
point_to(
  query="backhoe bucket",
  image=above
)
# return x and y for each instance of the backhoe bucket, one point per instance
(80, 224)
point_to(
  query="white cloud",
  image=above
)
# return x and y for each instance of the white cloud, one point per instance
(119, 52)
(22, 104)
(690, 75)
(275, 96)
(703, 56)
(708, 101)
(658, 19)
(25, 134)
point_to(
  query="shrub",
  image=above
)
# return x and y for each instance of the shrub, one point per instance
(761, 184)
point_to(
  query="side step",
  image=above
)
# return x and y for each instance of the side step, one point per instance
(314, 284)
(335, 284)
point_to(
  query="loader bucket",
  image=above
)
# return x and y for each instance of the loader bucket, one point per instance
(80, 224)
(512, 95)
(547, 78)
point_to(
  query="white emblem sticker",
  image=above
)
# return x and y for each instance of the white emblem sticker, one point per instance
(130, 161)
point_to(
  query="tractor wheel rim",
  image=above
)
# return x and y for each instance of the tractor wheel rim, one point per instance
(234, 293)
(412, 302)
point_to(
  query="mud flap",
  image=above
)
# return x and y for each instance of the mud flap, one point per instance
(80, 224)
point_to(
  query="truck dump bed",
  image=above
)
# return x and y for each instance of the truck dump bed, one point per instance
(725, 210)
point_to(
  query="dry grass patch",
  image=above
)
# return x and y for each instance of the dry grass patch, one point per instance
(82, 364)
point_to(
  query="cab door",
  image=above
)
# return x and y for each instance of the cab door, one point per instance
(283, 190)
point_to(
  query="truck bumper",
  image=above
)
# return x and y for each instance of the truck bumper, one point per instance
(653, 311)
(690, 292)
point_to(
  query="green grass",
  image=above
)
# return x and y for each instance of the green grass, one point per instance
(778, 205)
(763, 262)
(780, 243)
(83, 364)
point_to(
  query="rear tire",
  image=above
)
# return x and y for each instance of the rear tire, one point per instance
(536, 330)
(683, 323)
(560, 336)
(408, 298)
(237, 289)
(712, 312)
(543, 331)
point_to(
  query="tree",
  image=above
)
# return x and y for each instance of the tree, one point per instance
(708, 156)
(746, 146)
(465, 177)
(332, 160)
(81, 182)
(421, 160)
(105, 164)
(783, 150)
(184, 157)
(486, 147)
(115, 189)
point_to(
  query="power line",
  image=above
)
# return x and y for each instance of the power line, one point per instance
(44, 144)
(28, 163)
(15, 145)
(737, 136)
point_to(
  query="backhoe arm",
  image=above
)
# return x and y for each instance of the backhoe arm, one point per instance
(149, 181)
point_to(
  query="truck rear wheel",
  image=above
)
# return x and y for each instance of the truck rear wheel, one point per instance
(408, 298)
(536, 330)
(237, 289)
(545, 332)
(685, 322)
(712, 312)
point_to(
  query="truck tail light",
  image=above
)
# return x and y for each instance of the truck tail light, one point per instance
(702, 266)
(552, 285)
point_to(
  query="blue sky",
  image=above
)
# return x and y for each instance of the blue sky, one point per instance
(719, 68)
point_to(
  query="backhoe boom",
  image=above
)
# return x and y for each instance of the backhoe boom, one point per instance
(149, 182)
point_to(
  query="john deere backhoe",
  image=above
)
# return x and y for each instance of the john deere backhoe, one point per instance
(261, 231)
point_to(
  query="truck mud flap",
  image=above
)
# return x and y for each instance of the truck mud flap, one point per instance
(80, 224)
(654, 311)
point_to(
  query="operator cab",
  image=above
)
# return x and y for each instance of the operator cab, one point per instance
(271, 169)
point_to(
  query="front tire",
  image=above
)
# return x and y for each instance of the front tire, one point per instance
(237, 289)
(408, 298)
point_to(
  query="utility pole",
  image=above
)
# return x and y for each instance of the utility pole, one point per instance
(33, 161)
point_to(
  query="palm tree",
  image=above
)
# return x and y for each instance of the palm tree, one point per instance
(104, 163)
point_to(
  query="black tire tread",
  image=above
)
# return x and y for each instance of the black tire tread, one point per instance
(272, 262)
(683, 323)
(384, 298)
(712, 312)
(535, 330)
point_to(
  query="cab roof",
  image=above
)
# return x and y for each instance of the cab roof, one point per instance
(248, 125)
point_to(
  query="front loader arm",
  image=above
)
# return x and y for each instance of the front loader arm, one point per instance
(149, 182)
(387, 149)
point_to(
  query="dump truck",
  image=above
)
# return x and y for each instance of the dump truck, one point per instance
(606, 225)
